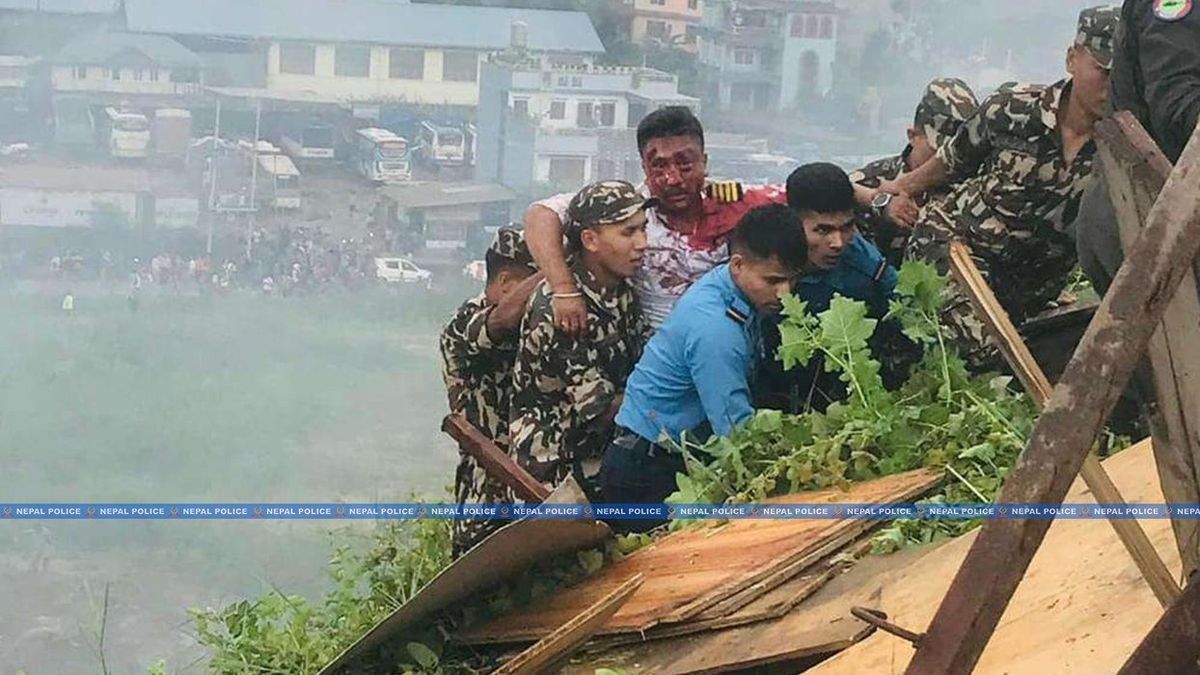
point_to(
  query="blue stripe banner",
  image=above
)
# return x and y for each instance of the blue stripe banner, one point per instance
(415, 511)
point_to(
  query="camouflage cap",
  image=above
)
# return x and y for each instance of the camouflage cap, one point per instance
(604, 203)
(509, 243)
(947, 103)
(1097, 28)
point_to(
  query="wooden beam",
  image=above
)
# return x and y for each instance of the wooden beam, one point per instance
(1173, 644)
(494, 461)
(1148, 562)
(1136, 170)
(1064, 433)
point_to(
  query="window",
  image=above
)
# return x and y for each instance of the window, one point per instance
(636, 112)
(743, 57)
(520, 106)
(460, 66)
(567, 170)
(797, 26)
(658, 29)
(659, 3)
(605, 169)
(827, 27)
(154, 74)
(633, 170)
(81, 72)
(810, 27)
(297, 59)
(693, 4)
(607, 113)
(114, 73)
(583, 117)
(406, 64)
(138, 73)
(558, 110)
(352, 61)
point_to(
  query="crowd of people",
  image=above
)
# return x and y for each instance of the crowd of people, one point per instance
(624, 318)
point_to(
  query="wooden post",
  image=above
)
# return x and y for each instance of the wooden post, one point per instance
(1073, 417)
(1136, 170)
(494, 461)
(1173, 644)
(1131, 534)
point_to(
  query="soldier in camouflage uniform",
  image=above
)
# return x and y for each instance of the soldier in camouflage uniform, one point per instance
(947, 103)
(479, 346)
(567, 388)
(1018, 168)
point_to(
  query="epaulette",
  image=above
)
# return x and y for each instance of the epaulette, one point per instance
(736, 314)
(725, 191)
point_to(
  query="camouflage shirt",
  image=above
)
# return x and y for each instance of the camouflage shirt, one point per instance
(478, 375)
(1014, 196)
(564, 386)
(880, 231)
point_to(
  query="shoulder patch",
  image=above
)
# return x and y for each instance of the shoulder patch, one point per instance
(736, 315)
(1172, 10)
(725, 191)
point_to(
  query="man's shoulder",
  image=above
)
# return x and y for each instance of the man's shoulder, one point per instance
(884, 168)
(469, 309)
(1015, 103)
(864, 258)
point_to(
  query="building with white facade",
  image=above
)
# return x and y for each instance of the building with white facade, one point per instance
(758, 55)
(118, 66)
(545, 123)
(666, 21)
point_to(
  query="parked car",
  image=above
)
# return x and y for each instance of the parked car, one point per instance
(402, 271)
(477, 270)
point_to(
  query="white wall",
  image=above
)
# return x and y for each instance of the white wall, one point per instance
(63, 78)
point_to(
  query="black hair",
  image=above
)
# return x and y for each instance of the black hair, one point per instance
(496, 263)
(667, 122)
(820, 187)
(771, 231)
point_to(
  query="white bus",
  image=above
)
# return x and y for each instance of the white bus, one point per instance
(314, 141)
(382, 156)
(281, 190)
(443, 145)
(125, 134)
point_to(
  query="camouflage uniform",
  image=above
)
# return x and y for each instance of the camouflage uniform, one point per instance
(564, 386)
(1013, 199)
(946, 104)
(477, 371)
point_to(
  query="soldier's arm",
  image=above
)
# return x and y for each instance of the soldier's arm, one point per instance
(505, 318)
(1170, 61)
(962, 155)
(535, 428)
(718, 358)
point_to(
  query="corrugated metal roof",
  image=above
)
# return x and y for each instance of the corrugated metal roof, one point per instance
(106, 48)
(432, 195)
(62, 6)
(370, 21)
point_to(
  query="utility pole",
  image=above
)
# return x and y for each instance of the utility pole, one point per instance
(212, 177)
(253, 179)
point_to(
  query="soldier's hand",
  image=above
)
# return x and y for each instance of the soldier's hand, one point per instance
(902, 211)
(570, 312)
(505, 317)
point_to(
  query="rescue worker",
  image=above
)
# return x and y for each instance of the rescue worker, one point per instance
(1018, 166)
(479, 347)
(945, 105)
(694, 375)
(1156, 76)
(567, 387)
(686, 231)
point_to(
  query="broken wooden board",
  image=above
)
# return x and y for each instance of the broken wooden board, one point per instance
(1082, 606)
(691, 570)
(502, 555)
(558, 645)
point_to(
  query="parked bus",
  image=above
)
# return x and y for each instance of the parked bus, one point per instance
(314, 141)
(281, 187)
(125, 134)
(74, 125)
(382, 156)
(172, 132)
(442, 145)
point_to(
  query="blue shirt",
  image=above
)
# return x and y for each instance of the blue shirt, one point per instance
(697, 366)
(862, 273)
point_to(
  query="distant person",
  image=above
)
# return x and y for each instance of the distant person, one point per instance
(945, 105)
(686, 230)
(567, 386)
(694, 377)
(1018, 168)
(479, 347)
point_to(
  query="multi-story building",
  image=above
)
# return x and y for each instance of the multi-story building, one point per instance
(126, 67)
(758, 55)
(545, 123)
(369, 50)
(667, 21)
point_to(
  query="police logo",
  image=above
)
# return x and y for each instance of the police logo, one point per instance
(587, 511)
(8, 512)
(340, 512)
(258, 512)
(174, 511)
(91, 512)
(1172, 10)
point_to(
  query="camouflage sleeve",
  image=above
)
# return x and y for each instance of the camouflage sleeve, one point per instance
(464, 338)
(871, 175)
(963, 154)
(537, 420)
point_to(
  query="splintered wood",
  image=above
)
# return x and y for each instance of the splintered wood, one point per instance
(691, 571)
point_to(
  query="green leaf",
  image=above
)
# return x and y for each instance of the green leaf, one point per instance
(845, 324)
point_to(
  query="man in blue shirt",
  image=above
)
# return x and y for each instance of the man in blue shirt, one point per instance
(693, 376)
(840, 261)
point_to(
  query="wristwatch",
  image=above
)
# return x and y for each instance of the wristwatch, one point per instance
(880, 203)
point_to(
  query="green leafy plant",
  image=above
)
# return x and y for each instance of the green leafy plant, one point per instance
(972, 427)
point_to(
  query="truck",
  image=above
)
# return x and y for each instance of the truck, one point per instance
(171, 133)
(74, 125)
(124, 134)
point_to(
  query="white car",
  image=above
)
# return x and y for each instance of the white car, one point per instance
(402, 271)
(477, 270)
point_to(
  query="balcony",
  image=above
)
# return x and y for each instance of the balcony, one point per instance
(141, 87)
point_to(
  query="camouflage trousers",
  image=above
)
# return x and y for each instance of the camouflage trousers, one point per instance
(473, 486)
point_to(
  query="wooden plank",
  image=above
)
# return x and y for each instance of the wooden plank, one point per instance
(1153, 569)
(1063, 434)
(567, 638)
(1136, 171)
(493, 460)
(1173, 645)
(1081, 609)
(503, 554)
(709, 564)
